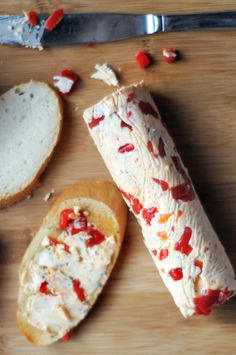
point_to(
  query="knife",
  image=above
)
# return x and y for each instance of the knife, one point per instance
(78, 28)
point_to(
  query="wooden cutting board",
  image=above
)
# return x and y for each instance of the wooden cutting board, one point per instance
(197, 99)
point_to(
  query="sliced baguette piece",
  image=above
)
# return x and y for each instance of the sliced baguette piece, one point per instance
(30, 127)
(104, 207)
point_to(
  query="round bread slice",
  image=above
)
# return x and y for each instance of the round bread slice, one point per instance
(30, 126)
(106, 212)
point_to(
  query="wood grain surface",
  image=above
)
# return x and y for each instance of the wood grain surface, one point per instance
(197, 99)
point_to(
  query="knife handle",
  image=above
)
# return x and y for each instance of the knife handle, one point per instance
(198, 21)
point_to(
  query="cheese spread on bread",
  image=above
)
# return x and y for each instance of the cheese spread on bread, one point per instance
(144, 162)
(62, 279)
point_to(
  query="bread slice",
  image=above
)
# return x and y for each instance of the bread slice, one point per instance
(106, 210)
(30, 126)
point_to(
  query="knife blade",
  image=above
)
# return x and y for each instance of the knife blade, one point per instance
(79, 28)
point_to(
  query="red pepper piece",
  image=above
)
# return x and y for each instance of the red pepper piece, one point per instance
(96, 237)
(183, 192)
(176, 274)
(95, 121)
(55, 242)
(44, 288)
(164, 184)
(124, 124)
(129, 114)
(64, 219)
(142, 59)
(199, 264)
(131, 97)
(154, 252)
(32, 18)
(78, 225)
(79, 290)
(125, 194)
(161, 148)
(135, 204)
(170, 55)
(148, 214)
(54, 19)
(209, 299)
(183, 244)
(163, 254)
(151, 149)
(147, 109)
(69, 74)
(128, 147)
(66, 337)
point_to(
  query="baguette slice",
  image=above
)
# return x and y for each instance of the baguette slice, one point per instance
(107, 212)
(30, 127)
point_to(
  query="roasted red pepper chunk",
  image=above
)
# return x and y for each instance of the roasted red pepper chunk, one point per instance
(210, 298)
(163, 254)
(53, 20)
(128, 147)
(183, 244)
(170, 55)
(123, 124)
(151, 149)
(96, 237)
(65, 219)
(143, 59)
(32, 18)
(176, 274)
(134, 202)
(183, 192)
(164, 185)
(55, 242)
(96, 121)
(161, 148)
(66, 337)
(199, 264)
(148, 214)
(44, 288)
(79, 290)
(131, 97)
(147, 109)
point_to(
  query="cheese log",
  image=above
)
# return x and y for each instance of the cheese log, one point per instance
(143, 161)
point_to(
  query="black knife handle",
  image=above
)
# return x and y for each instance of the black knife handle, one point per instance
(198, 21)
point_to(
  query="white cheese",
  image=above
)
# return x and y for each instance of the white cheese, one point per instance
(105, 73)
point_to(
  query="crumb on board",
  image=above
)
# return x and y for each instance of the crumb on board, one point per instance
(49, 195)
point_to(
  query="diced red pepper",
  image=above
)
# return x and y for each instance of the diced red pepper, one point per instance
(164, 185)
(199, 264)
(69, 74)
(209, 299)
(79, 290)
(64, 219)
(54, 19)
(163, 254)
(176, 274)
(129, 114)
(151, 149)
(44, 288)
(135, 204)
(96, 237)
(32, 18)
(131, 97)
(161, 148)
(78, 225)
(148, 214)
(128, 147)
(66, 337)
(154, 252)
(95, 121)
(183, 244)
(55, 242)
(142, 59)
(170, 55)
(147, 109)
(124, 124)
(183, 192)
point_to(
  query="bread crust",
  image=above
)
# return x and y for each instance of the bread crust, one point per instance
(106, 193)
(10, 200)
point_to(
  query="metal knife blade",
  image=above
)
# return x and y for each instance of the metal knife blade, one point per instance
(78, 28)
